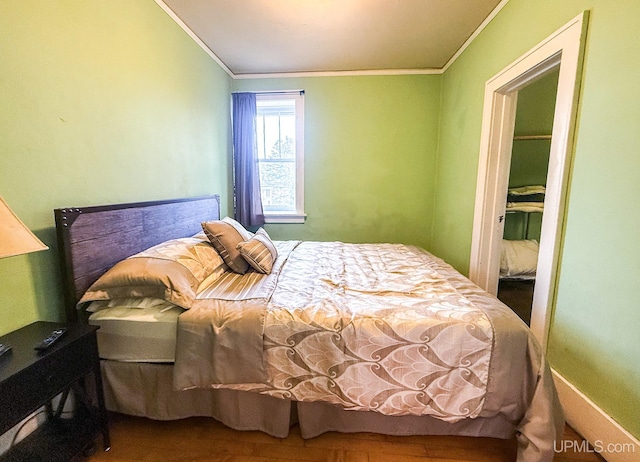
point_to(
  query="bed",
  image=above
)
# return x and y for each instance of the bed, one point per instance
(519, 255)
(382, 338)
(519, 259)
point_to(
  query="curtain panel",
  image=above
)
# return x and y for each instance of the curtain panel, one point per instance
(248, 203)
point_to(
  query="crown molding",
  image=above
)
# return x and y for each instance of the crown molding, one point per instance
(285, 75)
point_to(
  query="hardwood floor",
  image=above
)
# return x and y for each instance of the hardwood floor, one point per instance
(517, 295)
(136, 439)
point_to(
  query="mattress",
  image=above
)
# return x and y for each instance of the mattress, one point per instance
(519, 259)
(144, 332)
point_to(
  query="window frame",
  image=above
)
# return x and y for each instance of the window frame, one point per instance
(297, 216)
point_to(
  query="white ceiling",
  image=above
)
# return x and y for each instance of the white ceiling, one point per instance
(300, 36)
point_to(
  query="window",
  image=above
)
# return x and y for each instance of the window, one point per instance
(280, 139)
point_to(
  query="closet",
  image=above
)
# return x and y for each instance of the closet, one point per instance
(525, 196)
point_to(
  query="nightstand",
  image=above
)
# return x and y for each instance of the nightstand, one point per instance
(30, 379)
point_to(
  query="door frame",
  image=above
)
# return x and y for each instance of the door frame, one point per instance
(564, 50)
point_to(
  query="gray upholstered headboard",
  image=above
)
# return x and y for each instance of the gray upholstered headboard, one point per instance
(93, 239)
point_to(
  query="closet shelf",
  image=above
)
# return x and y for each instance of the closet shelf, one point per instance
(531, 137)
(525, 199)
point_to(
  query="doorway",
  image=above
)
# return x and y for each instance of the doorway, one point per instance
(562, 51)
(527, 183)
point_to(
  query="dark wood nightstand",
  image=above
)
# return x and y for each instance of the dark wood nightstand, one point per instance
(30, 379)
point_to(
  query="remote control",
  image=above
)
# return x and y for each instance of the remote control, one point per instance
(51, 339)
(4, 348)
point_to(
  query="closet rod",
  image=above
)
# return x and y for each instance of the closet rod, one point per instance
(532, 137)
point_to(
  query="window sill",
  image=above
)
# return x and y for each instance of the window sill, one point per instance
(285, 218)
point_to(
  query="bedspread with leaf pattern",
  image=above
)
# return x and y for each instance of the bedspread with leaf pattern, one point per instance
(375, 327)
(365, 326)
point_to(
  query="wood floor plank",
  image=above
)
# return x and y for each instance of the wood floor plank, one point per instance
(339, 441)
(136, 439)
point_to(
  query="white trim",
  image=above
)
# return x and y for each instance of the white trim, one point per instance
(284, 218)
(285, 75)
(195, 38)
(473, 36)
(562, 49)
(595, 425)
(297, 216)
(300, 155)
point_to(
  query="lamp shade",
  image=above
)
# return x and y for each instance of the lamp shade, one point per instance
(15, 237)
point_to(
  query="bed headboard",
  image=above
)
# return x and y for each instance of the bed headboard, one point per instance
(93, 239)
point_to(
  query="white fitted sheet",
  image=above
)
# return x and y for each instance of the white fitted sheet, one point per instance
(137, 334)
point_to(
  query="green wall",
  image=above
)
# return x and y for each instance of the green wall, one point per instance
(370, 157)
(594, 333)
(101, 101)
(534, 116)
(536, 103)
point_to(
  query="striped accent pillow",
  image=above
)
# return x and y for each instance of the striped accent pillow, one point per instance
(259, 252)
(225, 235)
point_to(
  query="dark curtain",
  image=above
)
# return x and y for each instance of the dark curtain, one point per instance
(248, 204)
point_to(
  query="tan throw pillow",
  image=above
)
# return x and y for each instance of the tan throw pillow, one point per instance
(259, 252)
(225, 235)
(246, 235)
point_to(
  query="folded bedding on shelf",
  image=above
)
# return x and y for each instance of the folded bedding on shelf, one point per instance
(527, 190)
(525, 207)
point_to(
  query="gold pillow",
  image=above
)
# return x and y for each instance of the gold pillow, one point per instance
(170, 271)
(225, 235)
(259, 252)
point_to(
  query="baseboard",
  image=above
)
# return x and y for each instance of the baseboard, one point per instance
(613, 442)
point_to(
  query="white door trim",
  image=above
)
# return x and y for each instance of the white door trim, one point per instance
(562, 49)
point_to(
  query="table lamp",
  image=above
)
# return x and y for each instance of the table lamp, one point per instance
(15, 237)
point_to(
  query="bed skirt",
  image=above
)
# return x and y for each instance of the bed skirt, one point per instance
(145, 389)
